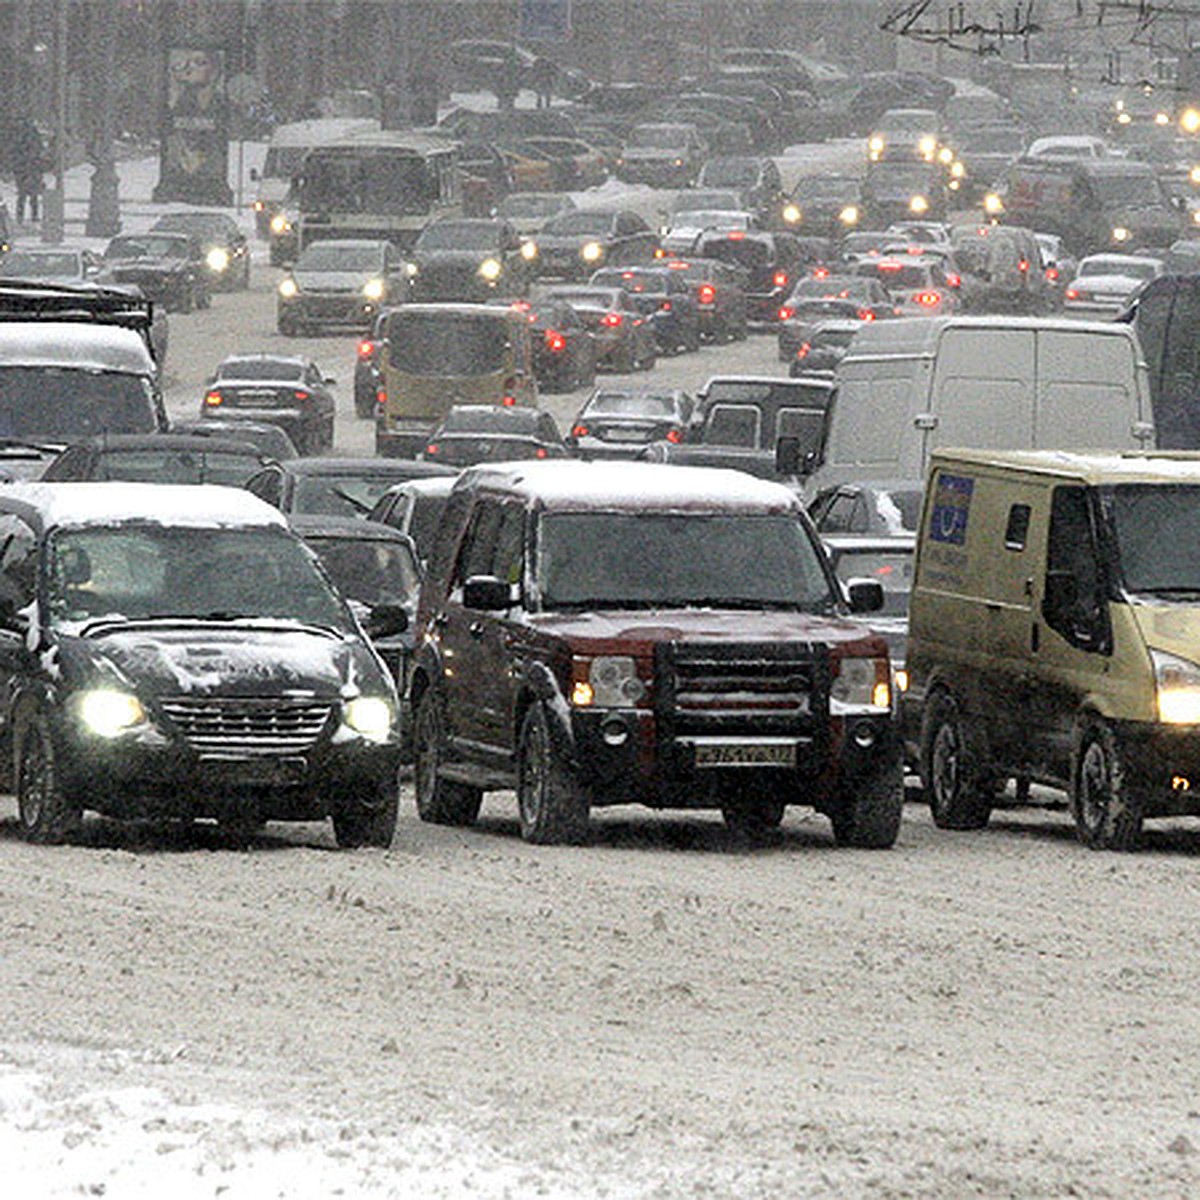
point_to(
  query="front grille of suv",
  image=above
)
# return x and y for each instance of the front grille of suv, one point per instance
(224, 726)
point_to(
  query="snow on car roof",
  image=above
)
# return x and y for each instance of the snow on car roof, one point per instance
(574, 484)
(194, 505)
(73, 344)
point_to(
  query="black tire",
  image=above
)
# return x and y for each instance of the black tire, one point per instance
(952, 767)
(554, 806)
(204, 298)
(361, 824)
(1108, 816)
(869, 816)
(439, 801)
(187, 301)
(753, 819)
(44, 813)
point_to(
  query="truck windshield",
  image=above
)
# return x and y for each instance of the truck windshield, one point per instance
(64, 404)
(447, 344)
(367, 183)
(597, 560)
(138, 571)
(1155, 528)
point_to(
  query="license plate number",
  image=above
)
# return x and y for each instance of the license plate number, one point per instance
(746, 756)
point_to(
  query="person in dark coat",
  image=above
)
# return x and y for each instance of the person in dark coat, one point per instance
(29, 167)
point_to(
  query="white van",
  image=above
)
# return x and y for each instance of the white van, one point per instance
(909, 386)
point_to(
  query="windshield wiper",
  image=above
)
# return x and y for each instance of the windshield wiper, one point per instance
(352, 500)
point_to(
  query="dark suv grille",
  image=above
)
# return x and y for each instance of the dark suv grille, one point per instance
(237, 726)
(755, 688)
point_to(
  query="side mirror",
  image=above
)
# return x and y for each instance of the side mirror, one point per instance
(330, 380)
(386, 620)
(486, 593)
(865, 595)
(787, 456)
(1061, 595)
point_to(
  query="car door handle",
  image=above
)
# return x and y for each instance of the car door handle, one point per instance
(475, 629)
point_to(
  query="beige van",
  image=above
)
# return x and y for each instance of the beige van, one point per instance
(1054, 636)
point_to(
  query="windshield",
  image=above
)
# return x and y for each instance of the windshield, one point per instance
(448, 344)
(712, 218)
(59, 404)
(598, 560)
(19, 265)
(275, 369)
(637, 406)
(1155, 527)
(387, 183)
(897, 275)
(197, 225)
(718, 201)
(530, 206)
(570, 224)
(1130, 191)
(817, 187)
(329, 256)
(657, 137)
(748, 254)
(138, 571)
(370, 570)
(730, 172)
(1118, 266)
(339, 495)
(632, 281)
(459, 235)
(146, 246)
(176, 466)
(892, 570)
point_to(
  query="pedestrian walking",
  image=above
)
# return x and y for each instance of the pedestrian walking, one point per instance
(29, 167)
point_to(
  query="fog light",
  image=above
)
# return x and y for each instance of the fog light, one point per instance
(864, 735)
(614, 731)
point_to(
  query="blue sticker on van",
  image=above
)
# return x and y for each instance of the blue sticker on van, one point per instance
(951, 507)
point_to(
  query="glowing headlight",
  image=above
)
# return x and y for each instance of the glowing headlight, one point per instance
(217, 259)
(1162, 118)
(1123, 118)
(608, 681)
(288, 288)
(1194, 175)
(928, 148)
(957, 170)
(861, 683)
(491, 269)
(412, 270)
(373, 289)
(108, 713)
(1196, 216)
(918, 204)
(369, 716)
(1120, 234)
(1189, 120)
(945, 155)
(280, 224)
(592, 252)
(875, 146)
(1177, 684)
(529, 251)
(792, 214)
(849, 215)
(993, 205)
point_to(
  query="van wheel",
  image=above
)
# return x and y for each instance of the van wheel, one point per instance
(45, 814)
(753, 819)
(439, 801)
(553, 804)
(869, 814)
(1108, 816)
(952, 768)
(362, 824)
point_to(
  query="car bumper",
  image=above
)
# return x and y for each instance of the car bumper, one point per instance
(335, 311)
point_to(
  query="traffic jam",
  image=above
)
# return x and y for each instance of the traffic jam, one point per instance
(954, 272)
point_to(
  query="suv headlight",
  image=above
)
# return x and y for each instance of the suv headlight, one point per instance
(108, 713)
(1177, 688)
(529, 251)
(217, 260)
(610, 681)
(369, 716)
(280, 224)
(792, 214)
(288, 288)
(491, 269)
(373, 289)
(849, 215)
(592, 252)
(861, 683)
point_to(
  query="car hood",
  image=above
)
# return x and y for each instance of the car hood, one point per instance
(242, 658)
(596, 632)
(432, 259)
(165, 266)
(331, 281)
(569, 241)
(652, 154)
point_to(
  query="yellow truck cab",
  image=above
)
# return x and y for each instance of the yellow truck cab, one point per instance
(434, 356)
(1054, 636)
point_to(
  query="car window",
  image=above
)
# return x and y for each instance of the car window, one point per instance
(733, 425)
(479, 547)
(18, 562)
(839, 516)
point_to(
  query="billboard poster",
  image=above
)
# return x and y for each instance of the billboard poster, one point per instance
(194, 155)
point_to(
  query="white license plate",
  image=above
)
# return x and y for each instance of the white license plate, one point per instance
(625, 435)
(733, 755)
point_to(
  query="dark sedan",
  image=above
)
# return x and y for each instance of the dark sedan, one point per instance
(464, 259)
(475, 433)
(345, 487)
(338, 283)
(621, 424)
(771, 262)
(624, 337)
(285, 390)
(564, 349)
(167, 268)
(664, 298)
(269, 440)
(224, 247)
(575, 244)
(157, 458)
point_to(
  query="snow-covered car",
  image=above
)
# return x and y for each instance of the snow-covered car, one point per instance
(1105, 283)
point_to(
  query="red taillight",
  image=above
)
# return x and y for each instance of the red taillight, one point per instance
(555, 341)
(540, 452)
(888, 265)
(579, 431)
(508, 400)
(1051, 274)
(802, 352)
(786, 313)
(820, 273)
(366, 348)
(736, 235)
(432, 448)
(381, 397)
(611, 319)
(1071, 294)
(707, 293)
(213, 399)
(677, 265)
(953, 281)
(865, 314)
(626, 274)
(928, 299)
(1023, 265)
(674, 435)
(781, 278)
(665, 306)
(300, 395)
(520, 305)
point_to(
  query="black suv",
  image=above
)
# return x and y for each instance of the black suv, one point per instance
(175, 651)
(552, 660)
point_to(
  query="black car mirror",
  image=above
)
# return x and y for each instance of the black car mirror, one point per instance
(486, 593)
(329, 380)
(386, 620)
(865, 595)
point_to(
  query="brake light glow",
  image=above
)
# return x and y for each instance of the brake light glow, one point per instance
(928, 299)
(366, 348)
(555, 341)
(579, 431)
(508, 400)
(540, 452)
(678, 265)
(213, 399)
(1023, 265)
(953, 280)
(381, 397)
(674, 436)
(805, 347)
(432, 448)
(1072, 294)
(888, 265)
(736, 235)
(520, 306)
(1051, 274)
(665, 306)
(820, 273)
(707, 293)
(786, 313)
(780, 279)
(299, 395)
(611, 319)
